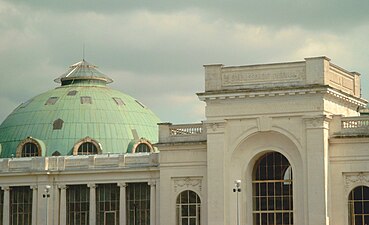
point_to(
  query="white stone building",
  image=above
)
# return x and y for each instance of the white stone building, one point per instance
(291, 134)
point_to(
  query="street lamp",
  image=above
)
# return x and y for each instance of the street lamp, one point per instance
(237, 188)
(47, 196)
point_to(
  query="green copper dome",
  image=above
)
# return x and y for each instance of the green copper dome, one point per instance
(83, 107)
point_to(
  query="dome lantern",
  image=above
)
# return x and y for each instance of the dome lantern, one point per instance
(83, 72)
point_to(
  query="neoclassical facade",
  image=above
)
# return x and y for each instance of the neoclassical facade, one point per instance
(282, 143)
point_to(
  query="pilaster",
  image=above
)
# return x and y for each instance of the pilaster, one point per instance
(317, 135)
(152, 202)
(34, 204)
(63, 204)
(122, 203)
(92, 218)
(6, 204)
(217, 210)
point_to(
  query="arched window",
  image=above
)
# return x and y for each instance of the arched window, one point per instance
(272, 190)
(29, 150)
(188, 207)
(29, 147)
(142, 145)
(358, 203)
(87, 148)
(142, 148)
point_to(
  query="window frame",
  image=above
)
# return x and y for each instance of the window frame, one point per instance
(272, 190)
(182, 206)
(83, 202)
(142, 141)
(28, 140)
(352, 203)
(105, 194)
(87, 140)
(25, 202)
(138, 203)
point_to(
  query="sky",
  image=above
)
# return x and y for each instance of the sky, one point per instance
(155, 50)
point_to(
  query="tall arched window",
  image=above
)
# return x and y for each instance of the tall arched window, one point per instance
(272, 190)
(29, 150)
(188, 207)
(358, 203)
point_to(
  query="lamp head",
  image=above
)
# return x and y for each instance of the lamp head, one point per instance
(237, 183)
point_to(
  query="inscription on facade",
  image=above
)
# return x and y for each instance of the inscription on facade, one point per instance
(231, 78)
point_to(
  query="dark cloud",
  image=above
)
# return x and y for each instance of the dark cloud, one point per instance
(329, 14)
(154, 50)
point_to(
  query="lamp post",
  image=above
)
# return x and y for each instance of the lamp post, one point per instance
(237, 188)
(47, 196)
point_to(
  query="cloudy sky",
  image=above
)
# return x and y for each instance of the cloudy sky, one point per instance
(154, 50)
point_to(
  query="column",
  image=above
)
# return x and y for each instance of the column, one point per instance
(152, 202)
(5, 209)
(122, 203)
(92, 203)
(34, 204)
(63, 205)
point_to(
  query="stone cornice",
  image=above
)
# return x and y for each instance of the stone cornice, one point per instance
(251, 93)
(281, 91)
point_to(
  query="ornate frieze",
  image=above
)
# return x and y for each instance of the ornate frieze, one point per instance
(185, 183)
(318, 122)
(353, 180)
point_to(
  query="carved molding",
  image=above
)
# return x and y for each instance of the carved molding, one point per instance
(215, 126)
(353, 180)
(185, 183)
(318, 122)
(62, 186)
(5, 188)
(92, 185)
(122, 184)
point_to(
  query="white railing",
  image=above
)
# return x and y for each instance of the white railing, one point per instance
(169, 133)
(355, 122)
(187, 129)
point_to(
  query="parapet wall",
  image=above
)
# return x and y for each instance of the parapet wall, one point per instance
(312, 71)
